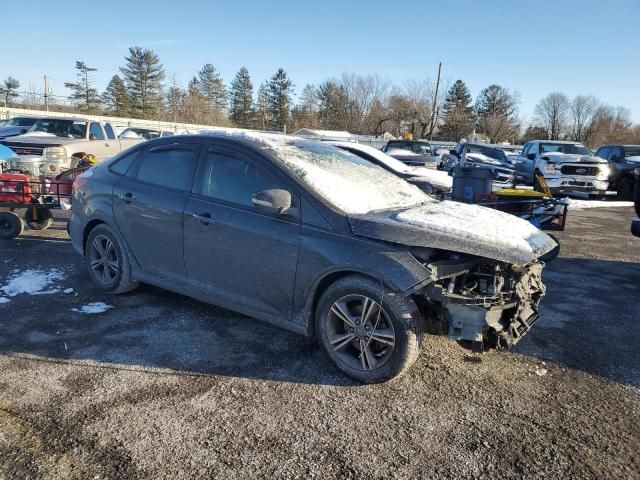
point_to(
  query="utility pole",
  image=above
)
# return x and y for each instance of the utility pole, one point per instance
(434, 110)
(46, 93)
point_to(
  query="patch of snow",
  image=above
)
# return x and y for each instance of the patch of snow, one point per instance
(94, 307)
(68, 290)
(575, 204)
(541, 372)
(32, 282)
(633, 159)
(4, 300)
(344, 180)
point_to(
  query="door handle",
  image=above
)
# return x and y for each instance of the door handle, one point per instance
(128, 197)
(204, 218)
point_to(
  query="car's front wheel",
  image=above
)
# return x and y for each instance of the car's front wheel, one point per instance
(371, 333)
(108, 262)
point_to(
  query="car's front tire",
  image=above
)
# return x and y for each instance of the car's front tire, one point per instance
(371, 333)
(108, 261)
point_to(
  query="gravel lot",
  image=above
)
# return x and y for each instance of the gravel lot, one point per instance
(161, 386)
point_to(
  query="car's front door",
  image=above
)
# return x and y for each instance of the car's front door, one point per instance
(98, 142)
(148, 206)
(234, 251)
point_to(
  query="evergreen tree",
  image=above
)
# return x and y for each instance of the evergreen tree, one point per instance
(175, 101)
(241, 97)
(83, 94)
(333, 106)
(458, 120)
(143, 75)
(280, 91)
(116, 98)
(305, 113)
(497, 113)
(261, 109)
(9, 89)
(213, 90)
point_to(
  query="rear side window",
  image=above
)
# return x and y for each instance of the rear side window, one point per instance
(234, 180)
(95, 132)
(110, 134)
(168, 167)
(122, 166)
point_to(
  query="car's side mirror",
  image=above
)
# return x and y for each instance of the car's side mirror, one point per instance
(92, 136)
(531, 156)
(23, 131)
(615, 158)
(276, 201)
(453, 152)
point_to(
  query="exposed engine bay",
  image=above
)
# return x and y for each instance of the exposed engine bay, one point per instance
(489, 303)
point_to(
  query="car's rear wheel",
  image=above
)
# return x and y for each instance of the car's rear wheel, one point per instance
(625, 189)
(371, 333)
(109, 265)
(11, 225)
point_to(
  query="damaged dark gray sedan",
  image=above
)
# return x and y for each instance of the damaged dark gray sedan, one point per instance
(310, 238)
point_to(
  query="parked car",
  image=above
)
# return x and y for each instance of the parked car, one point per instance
(623, 160)
(311, 238)
(16, 126)
(6, 155)
(485, 156)
(426, 179)
(565, 166)
(415, 153)
(49, 145)
(144, 133)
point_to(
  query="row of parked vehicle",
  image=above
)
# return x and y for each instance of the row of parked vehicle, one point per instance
(564, 166)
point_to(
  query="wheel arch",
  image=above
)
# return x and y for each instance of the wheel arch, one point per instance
(87, 231)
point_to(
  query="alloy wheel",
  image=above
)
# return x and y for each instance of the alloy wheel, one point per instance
(103, 259)
(360, 332)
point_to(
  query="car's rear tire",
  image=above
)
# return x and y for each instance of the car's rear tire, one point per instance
(40, 219)
(11, 225)
(108, 261)
(369, 332)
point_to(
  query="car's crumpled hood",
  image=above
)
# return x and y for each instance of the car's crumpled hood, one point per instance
(458, 227)
(573, 158)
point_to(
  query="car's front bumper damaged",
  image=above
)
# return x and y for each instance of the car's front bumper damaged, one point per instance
(490, 305)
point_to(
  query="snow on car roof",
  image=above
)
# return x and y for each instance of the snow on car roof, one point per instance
(344, 180)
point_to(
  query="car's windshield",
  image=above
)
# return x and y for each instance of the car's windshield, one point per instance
(632, 151)
(346, 181)
(494, 153)
(571, 148)
(415, 147)
(60, 128)
(19, 122)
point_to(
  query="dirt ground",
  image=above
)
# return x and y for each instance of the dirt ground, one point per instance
(161, 386)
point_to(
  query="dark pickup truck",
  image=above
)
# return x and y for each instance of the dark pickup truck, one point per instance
(623, 160)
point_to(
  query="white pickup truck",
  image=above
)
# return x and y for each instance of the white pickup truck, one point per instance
(48, 146)
(565, 166)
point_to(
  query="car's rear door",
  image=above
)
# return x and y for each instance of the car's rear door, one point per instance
(241, 256)
(148, 206)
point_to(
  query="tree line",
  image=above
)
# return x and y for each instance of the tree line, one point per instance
(362, 104)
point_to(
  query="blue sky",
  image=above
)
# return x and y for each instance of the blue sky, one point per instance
(576, 47)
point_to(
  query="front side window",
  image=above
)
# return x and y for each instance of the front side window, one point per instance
(234, 180)
(95, 132)
(20, 122)
(167, 167)
(603, 152)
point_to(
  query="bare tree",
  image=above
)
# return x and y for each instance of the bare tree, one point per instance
(583, 110)
(552, 112)
(362, 92)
